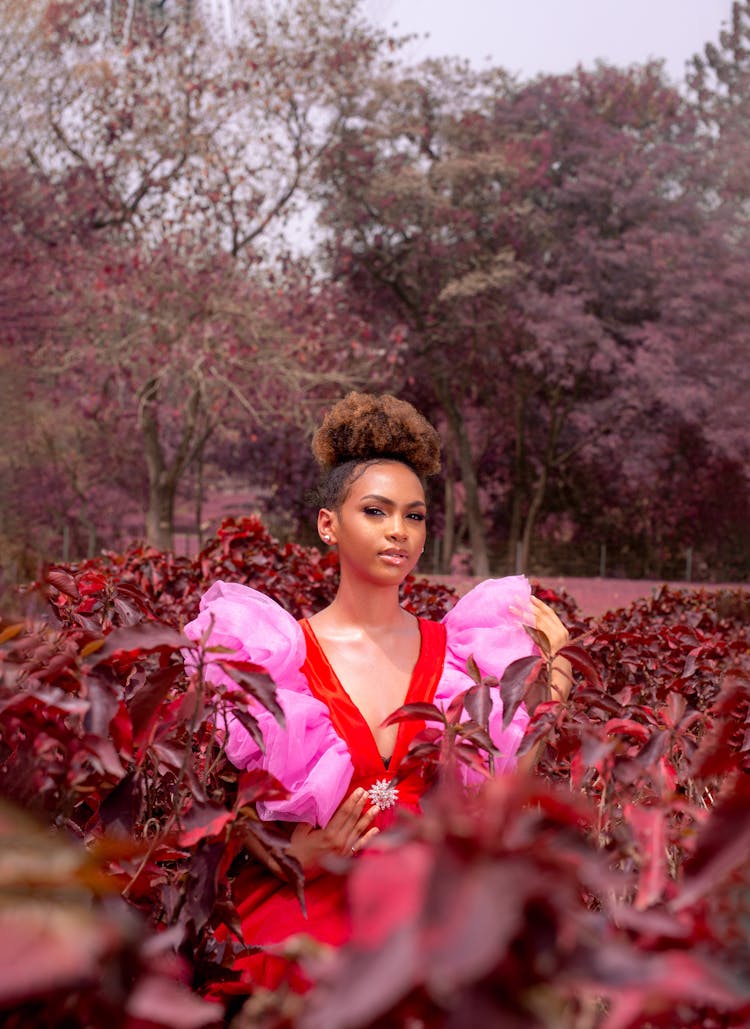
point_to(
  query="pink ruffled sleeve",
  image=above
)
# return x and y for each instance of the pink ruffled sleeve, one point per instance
(306, 756)
(482, 625)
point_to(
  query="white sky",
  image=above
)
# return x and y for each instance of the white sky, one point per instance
(532, 36)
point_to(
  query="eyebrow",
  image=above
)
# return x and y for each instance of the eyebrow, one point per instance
(387, 500)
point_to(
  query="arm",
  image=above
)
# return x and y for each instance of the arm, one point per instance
(559, 671)
(546, 620)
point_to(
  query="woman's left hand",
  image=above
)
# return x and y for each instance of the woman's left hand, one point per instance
(547, 621)
(560, 673)
(560, 676)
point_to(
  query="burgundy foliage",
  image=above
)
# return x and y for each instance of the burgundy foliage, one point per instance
(610, 889)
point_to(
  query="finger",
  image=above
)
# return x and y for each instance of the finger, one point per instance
(352, 806)
(360, 828)
(362, 841)
(544, 614)
(365, 840)
(540, 608)
(522, 612)
(366, 819)
(348, 813)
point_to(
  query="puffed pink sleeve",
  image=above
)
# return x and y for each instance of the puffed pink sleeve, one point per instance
(306, 755)
(483, 625)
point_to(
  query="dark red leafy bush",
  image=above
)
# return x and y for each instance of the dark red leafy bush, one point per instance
(612, 889)
(121, 589)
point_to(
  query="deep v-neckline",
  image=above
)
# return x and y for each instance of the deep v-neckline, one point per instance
(348, 721)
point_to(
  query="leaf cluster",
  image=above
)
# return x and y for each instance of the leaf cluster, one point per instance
(610, 889)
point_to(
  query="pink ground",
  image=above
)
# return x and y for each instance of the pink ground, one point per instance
(595, 596)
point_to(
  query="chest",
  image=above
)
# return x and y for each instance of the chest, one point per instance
(376, 676)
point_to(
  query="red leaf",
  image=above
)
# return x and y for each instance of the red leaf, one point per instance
(675, 709)
(146, 701)
(469, 756)
(591, 699)
(540, 639)
(203, 820)
(478, 703)
(627, 727)
(581, 661)
(121, 731)
(653, 981)
(477, 735)
(723, 845)
(408, 712)
(67, 943)
(258, 785)
(64, 582)
(650, 834)
(516, 678)
(463, 936)
(401, 876)
(715, 755)
(91, 582)
(142, 638)
(473, 669)
(257, 683)
(250, 722)
(161, 1001)
(455, 708)
(106, 754)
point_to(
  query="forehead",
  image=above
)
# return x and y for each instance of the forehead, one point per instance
(389, 479)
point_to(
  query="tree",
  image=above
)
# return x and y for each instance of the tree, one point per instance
(720, 89)
(183, 155)
(173, 350)
(176, 128)
(515, 232)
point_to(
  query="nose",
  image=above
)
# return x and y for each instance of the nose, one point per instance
(397, 530)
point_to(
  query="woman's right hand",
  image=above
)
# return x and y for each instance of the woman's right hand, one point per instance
(349, 830)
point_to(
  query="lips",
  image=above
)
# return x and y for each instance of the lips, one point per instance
(394, 556)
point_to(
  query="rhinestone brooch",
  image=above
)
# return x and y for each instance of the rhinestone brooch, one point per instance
(383, 794)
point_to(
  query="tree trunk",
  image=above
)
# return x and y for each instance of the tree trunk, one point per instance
(519, 480)
(199, 500)
(163, 476)
(449, 532)
(531, 516)
(474, 519)
(549, 460)
(162, 485)
(160, 514)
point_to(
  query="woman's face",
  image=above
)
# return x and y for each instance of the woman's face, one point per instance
(380, 527)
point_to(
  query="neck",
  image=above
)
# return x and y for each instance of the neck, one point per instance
(372, 607)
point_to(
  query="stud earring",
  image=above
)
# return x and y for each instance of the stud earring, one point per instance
(326, 539)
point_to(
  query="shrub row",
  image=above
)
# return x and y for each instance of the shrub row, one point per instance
(610, 889)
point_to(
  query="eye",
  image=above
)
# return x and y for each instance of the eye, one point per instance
(374, 511)
(417, 516)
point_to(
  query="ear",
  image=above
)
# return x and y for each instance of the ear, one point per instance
(327, 526)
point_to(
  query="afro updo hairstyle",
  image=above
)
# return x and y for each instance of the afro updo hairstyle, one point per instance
(364, 428)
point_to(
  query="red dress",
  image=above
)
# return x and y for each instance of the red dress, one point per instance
(323, 748)
(269, 909)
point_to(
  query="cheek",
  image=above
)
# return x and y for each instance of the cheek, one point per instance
(420, 536)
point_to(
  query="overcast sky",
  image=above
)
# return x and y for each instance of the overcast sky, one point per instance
(533, 36)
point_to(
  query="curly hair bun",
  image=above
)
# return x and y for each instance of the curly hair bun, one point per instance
(363, 427)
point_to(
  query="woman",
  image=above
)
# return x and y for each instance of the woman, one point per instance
(341, 673)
